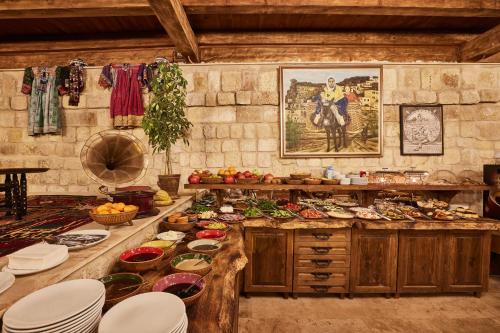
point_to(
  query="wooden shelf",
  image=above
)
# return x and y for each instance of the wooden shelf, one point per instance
(321, 188)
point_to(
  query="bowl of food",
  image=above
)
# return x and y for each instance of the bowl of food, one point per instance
(199, 263)
(213, 225)
(177, 284)
(179, 222)
(253, 213)
(293, 181)
(167, 246)
(121, 286)
(211, 234)
(312, 181)
(174, 236)
(141, 259)
(300, 175)
(110, 214)
(327, 181)
(208, 246)
(282, 215)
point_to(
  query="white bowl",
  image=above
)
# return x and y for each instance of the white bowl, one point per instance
(345, 181)
(169, 235)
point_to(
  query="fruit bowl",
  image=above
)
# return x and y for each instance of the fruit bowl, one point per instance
(212, 180)
(108, 220)
(247, 180)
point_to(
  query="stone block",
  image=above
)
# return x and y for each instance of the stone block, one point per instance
(14, 134)
(65, 149)
(409, 78)
(425, 97)
(213, 146)
(451, 156)
(489, 95)
(267, 145)
(195, 99)
(268, 81)
(4, 103)
(448, 97)
(468, 77)
(232, 159)
(21, 119)
(213, 81)
(264, 131)
(488, 130)
(184, 159)
(68, 177)
(451, 129)
(190, 81)
(265, 98)
(200, 82)
(248, 145)
(54, 189)
(222, 114)
(79, 118)
(211, 99)
(391, 129)
(72, 163)
(236, 131)
(197, 160)
(264, 160)
(215, 160)
(391, 113)
(450, 78)
(390, 81)
(69, 134)
(210, 131)
(197, 145)
(249, 131)
(196, 132)
(231, 81)
(403, 97)
(97, 101)
(486, 79)
(8, 118)
(78, 189)
(19, 103)
(469, 96)
(451, 112)
(226, 98)
(243, 97)
(37, 189)
(468, 129)
(222, 131)
(488, 112)
(249, 159)
(230, 145)
(249, 81)
(430, 78)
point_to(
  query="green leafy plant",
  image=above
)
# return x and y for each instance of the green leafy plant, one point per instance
(164, 119)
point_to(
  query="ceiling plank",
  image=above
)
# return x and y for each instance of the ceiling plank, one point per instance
(174, 20)
(483, 46)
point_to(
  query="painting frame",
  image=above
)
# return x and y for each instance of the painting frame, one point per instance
(405, 107)
(284, 154)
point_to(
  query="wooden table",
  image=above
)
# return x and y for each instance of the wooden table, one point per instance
(16, 189)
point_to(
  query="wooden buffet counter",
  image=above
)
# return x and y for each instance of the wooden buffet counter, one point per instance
(361, 256)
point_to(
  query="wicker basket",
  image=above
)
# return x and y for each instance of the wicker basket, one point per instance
(248, 180)
(295, 181)
(179, 226)
(212, 180)
(108, 220)
(330, 181)
(300, 175)
(312, 181)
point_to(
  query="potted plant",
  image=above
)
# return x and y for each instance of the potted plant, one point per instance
(164, 119)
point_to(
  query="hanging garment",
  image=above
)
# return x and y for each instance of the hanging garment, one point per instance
(126, 107)
(75, 81)
(44, 85)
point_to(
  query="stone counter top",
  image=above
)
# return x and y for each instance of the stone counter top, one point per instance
(479, 224)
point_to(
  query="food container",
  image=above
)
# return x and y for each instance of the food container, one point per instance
(247, 180)
(173, 282)
(198, 263)
(415, 176)
(345, 181)
(292, 181)
(211, 246)
(211, 234)
(167, 246)
(302, 175)
(141, 259)
(212, 180)
(141, 196)
(326, 181)
(312, 181)
(115, 284)
(386, 176)
(108, 220)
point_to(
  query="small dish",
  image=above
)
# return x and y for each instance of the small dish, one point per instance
(174, 236)
(213, 225)
(198, 263)
(209, 246)
(211, 234)
(120, 286)
(173, 283)
(167, 246)
(141, 259)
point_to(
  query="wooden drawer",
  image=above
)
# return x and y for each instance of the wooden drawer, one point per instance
(320, 289)
(318, 235)
(322, 261)
(332, 248)
(321, 276)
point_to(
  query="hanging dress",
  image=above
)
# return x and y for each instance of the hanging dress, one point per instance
(126, 81)
(44, 85)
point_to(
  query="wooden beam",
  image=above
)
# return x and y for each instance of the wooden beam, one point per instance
(483, 46)
(174, 20)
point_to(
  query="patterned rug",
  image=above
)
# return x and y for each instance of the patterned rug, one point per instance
(47, 216)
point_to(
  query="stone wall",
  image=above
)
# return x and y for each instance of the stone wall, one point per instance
(235, 112)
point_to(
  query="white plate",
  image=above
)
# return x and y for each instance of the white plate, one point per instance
(98, 232)
(154, 312)
(182, 328)
(32, 271)
(6, 281)
(164, 236)
(53, 304)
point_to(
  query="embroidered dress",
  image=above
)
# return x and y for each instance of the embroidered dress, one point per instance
(44, 85)
(126, 107)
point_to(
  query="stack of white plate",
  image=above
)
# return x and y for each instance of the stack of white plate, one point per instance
(356, 180)
(154, 312)
(68, 307)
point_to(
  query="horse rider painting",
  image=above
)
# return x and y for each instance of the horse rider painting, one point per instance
(331, 94)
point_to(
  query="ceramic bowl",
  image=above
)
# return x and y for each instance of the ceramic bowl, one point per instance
(179, 235)
(198, 242)
(211, 234)
(167, 246)
(143, 265)
(113, 282)
(181, 278)
(191, 256)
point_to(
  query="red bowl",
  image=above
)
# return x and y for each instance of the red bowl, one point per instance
(141, 265)
(181, 278)
(204, 224)
(211, 234)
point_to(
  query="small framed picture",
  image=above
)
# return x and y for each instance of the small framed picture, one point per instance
(421, 129)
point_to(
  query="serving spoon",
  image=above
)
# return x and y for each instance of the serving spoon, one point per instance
(185, 292)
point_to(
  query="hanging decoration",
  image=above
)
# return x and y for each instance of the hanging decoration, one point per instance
(75, 82)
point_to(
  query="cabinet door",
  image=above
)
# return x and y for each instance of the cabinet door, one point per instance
(420, 261)
(467, 261)
(374, 261)
(270, 260)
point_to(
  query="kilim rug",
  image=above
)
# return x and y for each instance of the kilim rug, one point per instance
(47, 216)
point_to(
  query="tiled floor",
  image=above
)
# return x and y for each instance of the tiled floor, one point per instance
(273, 314)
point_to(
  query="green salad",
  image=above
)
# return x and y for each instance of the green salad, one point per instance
(281, 214)
(252, 212)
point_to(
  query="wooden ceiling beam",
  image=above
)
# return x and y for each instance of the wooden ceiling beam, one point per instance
(174, 20)
(482, 47)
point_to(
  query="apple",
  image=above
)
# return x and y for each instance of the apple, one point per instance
(247, 174)
(268, 176)
(241, 176)
(229, 180)
(237, 174)
(194, 179)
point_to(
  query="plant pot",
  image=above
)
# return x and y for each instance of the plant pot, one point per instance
(169, 183)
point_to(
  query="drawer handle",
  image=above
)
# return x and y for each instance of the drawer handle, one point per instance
(322, 263)
(321, 276)
(320, 289)
(322, 236)
(321, 250)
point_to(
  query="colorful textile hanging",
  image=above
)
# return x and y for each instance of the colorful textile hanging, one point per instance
(75, 82)
(127, 81)
(44, 85)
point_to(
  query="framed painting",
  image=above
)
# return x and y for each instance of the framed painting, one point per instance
(331, 111)
(421, 129)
